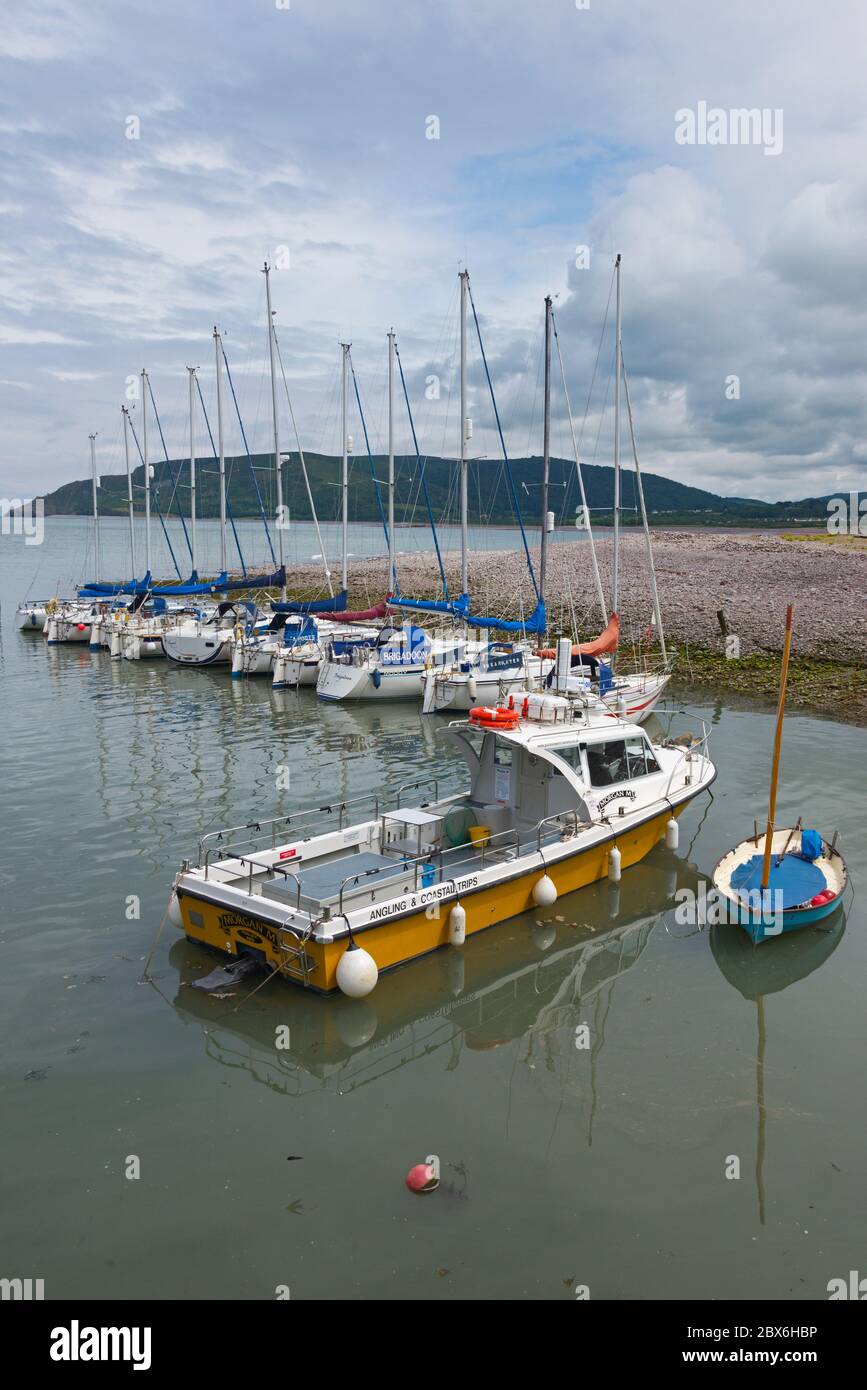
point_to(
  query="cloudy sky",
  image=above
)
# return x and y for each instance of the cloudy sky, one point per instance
(299, 130)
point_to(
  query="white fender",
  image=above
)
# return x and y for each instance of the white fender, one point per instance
(672, 834)
(544, 892)
(457, 925)
(357, 972)
(614, 869)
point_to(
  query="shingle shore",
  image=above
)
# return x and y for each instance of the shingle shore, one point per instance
(751, 577)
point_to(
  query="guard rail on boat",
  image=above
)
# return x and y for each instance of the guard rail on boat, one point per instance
(688, 754)
(224, 841)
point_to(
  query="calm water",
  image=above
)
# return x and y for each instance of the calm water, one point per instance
(560, 1166)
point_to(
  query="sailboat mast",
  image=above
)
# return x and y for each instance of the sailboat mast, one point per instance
(92, 438)
(192, 372)
(344, 473)
(147, 469)
(615, 580)
(223, 555)
(654, 590)
(600, 593)
(278, 470)
(465, 581)
(392, 578)
(546, 450)
(129, 497)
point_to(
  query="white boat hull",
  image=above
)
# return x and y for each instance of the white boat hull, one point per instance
(208, 647)
(30, 617)
(338, 682)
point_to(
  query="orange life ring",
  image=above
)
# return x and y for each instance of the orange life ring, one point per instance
(495, 717)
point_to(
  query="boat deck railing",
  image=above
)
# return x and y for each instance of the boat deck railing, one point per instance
(693, 750)
(226, 843)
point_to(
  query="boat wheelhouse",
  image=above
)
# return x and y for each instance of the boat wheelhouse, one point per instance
(558, 797)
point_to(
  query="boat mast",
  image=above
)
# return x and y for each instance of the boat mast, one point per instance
(657, 611)
(546, 450)
(223, 556)
(615, 580)
(465, 581)
(92, 438)
(392, 578)
(600, 592)
(130, 504)
(147, 469)
(344, 473)
(278, 471)
(778, 744)
(192, 372)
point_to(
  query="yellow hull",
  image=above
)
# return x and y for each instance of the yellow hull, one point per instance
(399, 940)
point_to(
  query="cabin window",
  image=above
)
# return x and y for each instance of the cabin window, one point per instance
(571, 757)
(619, 761)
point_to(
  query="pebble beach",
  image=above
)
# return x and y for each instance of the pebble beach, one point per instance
(750, 577)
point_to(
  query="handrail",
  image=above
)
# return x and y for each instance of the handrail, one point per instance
(502, 838)
(687, 755)
(561, 815)
(413, 786)
(224, 836)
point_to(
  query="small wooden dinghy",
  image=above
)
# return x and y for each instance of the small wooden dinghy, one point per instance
(807, 880)
(786, 878)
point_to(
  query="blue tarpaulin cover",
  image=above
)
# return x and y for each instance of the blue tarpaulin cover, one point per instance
(796, 878)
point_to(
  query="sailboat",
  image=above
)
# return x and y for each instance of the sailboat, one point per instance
(207, 638)
(504, 670)
(73, 620)
(790, 877)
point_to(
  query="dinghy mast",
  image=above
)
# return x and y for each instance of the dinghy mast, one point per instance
(778, 744)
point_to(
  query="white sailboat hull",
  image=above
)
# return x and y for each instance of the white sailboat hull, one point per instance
(205, 648)
(339, 682)
(30, 617)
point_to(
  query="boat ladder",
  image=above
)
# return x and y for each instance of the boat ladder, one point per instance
(296, 963)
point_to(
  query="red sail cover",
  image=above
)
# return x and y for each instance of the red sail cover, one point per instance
(600, 646)
(360, 615)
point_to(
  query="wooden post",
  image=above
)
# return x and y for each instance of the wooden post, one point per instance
(778, 743)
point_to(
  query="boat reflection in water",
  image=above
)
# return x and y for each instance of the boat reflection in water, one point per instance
(536, 977)
(756, 973)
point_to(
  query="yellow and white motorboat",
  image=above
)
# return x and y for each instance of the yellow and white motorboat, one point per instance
(561, 794)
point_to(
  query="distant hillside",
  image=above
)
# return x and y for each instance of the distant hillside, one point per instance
(670, 502)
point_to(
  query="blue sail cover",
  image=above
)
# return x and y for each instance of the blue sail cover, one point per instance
(95, 588)
(455, 607)
(222, 584)
(317, 605)
(795, 878)
(536, 623)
